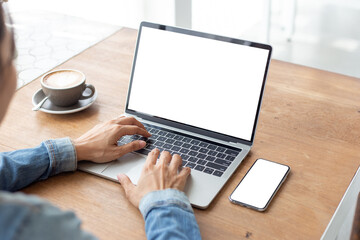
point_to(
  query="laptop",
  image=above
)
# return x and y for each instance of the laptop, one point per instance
(199, 95)
(343, 222)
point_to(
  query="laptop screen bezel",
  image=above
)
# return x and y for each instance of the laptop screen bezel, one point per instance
(189, 128)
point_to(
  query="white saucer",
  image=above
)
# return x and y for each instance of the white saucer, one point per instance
(49, 107)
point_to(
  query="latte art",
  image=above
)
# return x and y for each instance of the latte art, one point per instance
(63, 79)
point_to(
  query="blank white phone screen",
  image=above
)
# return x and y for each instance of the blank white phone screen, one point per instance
(259, 184)
(201, 82)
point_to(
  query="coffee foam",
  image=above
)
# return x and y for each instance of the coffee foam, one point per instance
(63, 79)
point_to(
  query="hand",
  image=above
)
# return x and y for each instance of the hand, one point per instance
(99, 144)
(156, 176)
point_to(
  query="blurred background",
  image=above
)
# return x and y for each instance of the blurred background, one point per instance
(321, 34)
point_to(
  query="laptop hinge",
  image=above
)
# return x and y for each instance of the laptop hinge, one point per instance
(234, 144)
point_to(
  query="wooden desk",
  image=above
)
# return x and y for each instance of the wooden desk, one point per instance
(310, 120)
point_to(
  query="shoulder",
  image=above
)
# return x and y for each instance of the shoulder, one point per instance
(29, 217)
(16, 209)
(21, 200)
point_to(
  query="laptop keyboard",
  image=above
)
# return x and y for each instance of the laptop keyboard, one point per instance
(201, 155)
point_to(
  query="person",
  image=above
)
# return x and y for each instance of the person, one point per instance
(158, 195)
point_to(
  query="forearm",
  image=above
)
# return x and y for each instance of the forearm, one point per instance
(168, 215)
(22, 167)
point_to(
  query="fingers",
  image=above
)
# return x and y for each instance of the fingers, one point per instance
(175, 163)
(128, 186)
(130, 147)
(152, 157)
(128, 126)
(184, 173)
(182, 177)
(129, 121)
(165, 158)
(131, 130)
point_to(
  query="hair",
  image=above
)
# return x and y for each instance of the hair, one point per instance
(3, 33)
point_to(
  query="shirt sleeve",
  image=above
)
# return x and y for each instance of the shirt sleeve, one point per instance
(168, 215)
(28, 217)
(20, 168)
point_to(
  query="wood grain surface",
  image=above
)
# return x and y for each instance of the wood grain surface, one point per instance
(310, 120)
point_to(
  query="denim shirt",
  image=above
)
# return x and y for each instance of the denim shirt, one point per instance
(167, 213)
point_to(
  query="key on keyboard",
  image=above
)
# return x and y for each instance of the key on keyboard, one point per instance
(200, 155)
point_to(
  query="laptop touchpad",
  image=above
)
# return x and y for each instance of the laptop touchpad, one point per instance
(130, 164)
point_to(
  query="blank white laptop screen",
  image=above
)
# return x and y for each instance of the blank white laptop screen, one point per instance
(201, 82)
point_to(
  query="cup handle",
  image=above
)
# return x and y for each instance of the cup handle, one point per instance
(92, 88)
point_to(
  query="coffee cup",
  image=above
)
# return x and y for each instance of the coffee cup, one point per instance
(65, 87)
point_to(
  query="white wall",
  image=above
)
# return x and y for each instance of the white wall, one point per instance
(119, 12)
(226, 17)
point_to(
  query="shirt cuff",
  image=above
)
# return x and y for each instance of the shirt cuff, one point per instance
(163, 198)
(62, 155)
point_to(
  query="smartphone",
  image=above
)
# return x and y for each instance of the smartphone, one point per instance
(260, 184)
